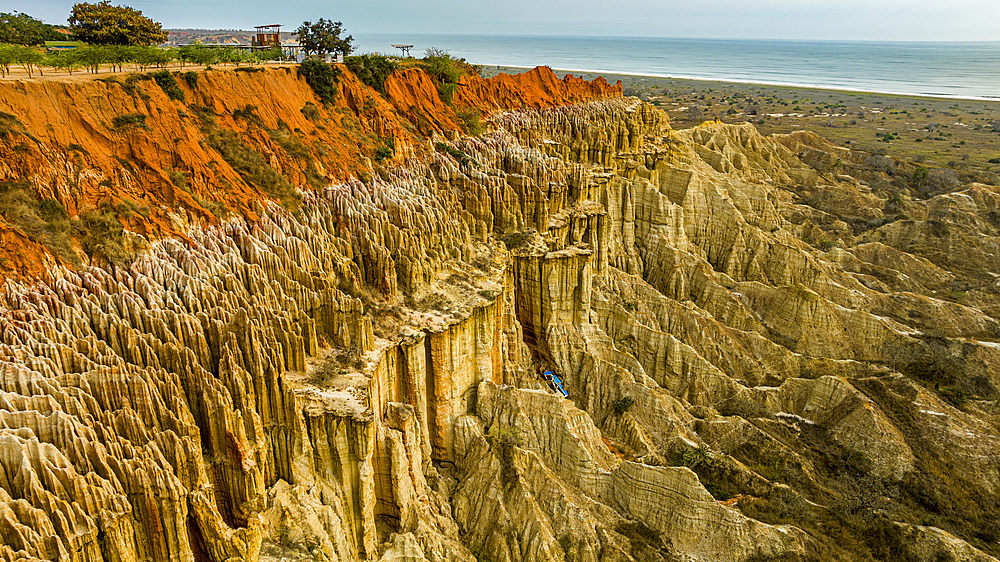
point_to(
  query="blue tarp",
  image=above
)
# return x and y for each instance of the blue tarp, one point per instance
(559, 385)
(556, 382)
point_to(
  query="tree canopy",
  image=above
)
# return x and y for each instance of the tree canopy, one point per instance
(323, 37)
(104, 24)
(22, 29)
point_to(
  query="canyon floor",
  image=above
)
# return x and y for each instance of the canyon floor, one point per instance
(241, 323)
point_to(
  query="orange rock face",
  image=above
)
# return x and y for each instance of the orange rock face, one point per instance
(113, 140)
(538, 88)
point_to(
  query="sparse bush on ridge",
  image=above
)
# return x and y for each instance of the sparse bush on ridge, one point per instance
(252, 167)
(446, 71)
(129, 120)
(372, 70)
(455, 153)
(322, 78)
(191, 77)
(99, 232)
(471, 119)
(166, 81)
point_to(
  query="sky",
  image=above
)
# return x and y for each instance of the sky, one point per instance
(871, 20)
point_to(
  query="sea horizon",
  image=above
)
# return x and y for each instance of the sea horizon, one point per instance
(947, 69)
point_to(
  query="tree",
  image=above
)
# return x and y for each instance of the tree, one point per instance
(323, 37)
(9, 54)
(104, 24)
(22, 29)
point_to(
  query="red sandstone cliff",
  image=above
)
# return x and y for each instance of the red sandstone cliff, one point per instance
(108, 141)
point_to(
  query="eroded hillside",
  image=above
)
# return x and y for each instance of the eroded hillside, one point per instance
(769, 354)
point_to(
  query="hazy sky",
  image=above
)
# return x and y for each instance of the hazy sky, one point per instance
(895, 20)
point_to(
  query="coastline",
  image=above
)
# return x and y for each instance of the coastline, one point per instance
(607, 74)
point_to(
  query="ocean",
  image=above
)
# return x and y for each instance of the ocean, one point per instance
(968, 70)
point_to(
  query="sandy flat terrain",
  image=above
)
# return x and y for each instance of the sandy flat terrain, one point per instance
(939, 132)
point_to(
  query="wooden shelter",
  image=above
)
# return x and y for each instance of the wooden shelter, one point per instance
(267, 36)
(405, 49)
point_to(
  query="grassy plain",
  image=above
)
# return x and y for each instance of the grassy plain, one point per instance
(963, 135)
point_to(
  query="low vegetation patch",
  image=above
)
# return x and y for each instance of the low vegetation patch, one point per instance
(98, 232)
(191, 78)
(310, 111)
(42, 221)
(455, 153)
(322, 78)
(129, 120)
(166, 81)
(253, 168)
(372, 70)
(621, 405)
(646, 543)
(446, 71)
(471, 120)
(9, 124)
(103, 234)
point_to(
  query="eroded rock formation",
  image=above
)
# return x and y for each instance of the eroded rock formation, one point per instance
(761, 363)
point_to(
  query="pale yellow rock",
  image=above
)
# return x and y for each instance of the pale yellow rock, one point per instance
(361, 380)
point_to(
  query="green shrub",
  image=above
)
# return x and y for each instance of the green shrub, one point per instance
(382, 152)
(372, 70)
(289, 142)
(248, 113)
(104, 236)
(471, 120)
(455, 153)
(955, 394)
(166, 81)
(322, 78)
(44, 222)
(131, 84)
(130, 120)
(310, 111)
(445, 70)
(693, 458)
(253, 168)
(191, 77)
(621, 405)
(447, 91)
(204, 114)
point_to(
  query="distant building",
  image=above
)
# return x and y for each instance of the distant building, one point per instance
(267, 36)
